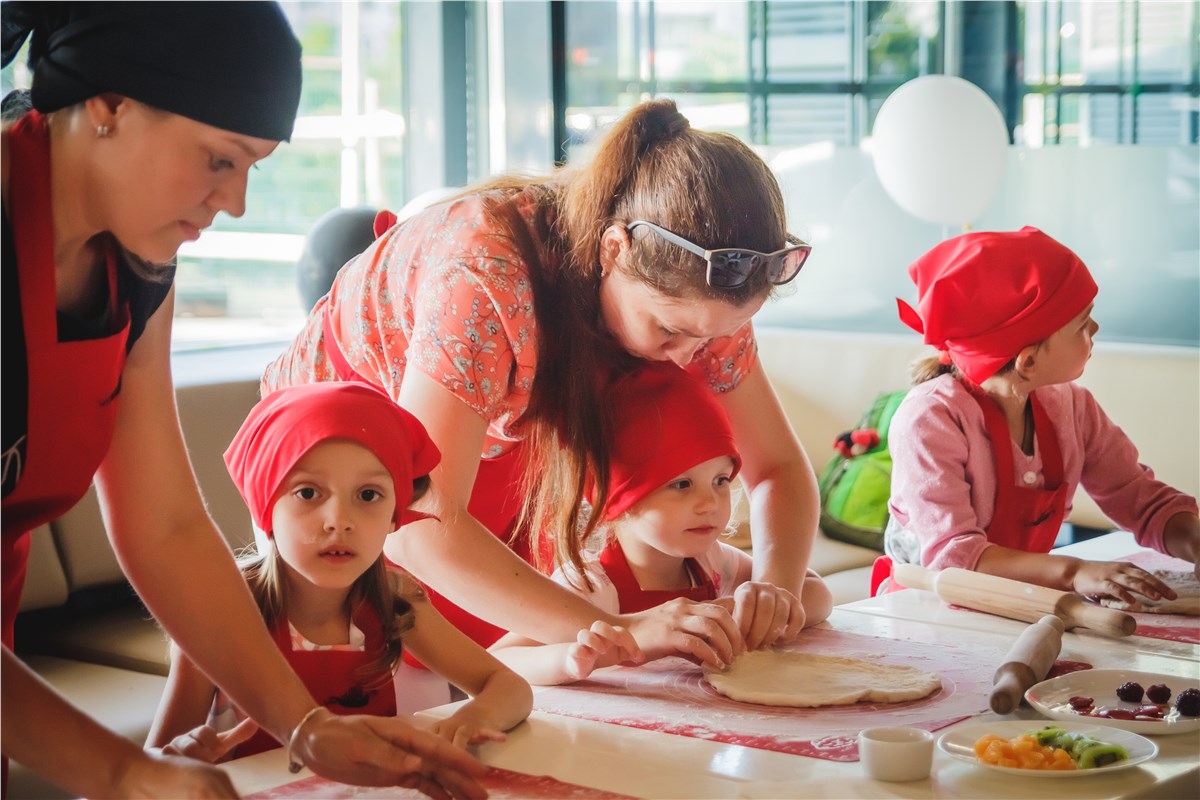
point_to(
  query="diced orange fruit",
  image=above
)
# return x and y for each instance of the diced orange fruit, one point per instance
(1021, 752)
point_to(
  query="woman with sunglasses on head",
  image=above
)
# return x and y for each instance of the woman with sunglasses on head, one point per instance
(146, 119)
(499, 317)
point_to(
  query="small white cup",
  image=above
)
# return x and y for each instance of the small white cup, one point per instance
(896, 754)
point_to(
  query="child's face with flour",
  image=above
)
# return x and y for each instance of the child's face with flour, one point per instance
(333, 514)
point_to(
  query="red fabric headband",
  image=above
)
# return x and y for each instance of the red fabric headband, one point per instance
(984, 296)
(289, 422)
(665, 422)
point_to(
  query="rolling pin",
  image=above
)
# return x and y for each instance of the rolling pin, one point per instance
(1014, 599)
(1027, 662)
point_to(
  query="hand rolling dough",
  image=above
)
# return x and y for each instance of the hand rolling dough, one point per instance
(807, 680)
(1184, 584)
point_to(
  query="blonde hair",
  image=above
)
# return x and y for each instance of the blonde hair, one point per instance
(710, 188)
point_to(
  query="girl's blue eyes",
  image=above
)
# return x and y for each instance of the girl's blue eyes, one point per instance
(217, 164)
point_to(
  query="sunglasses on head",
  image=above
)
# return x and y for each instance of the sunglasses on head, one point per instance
(730, 267)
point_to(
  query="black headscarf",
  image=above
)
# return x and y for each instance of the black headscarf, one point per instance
(233, 65)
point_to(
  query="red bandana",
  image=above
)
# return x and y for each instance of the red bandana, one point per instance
(984, 296)
(288, 423)
(664, 423)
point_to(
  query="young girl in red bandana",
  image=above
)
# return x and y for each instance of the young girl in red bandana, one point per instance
(669, 501)
(1011, 315)
(328, 470)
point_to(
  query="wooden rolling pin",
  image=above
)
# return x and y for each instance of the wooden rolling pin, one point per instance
(1014, 599)
(1027, 662)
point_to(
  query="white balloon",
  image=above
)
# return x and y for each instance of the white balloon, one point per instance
(939, 147)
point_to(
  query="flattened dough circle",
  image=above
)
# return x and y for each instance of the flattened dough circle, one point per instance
(808, 680)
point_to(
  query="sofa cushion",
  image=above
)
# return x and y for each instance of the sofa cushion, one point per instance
(45, 581)
(125, 637)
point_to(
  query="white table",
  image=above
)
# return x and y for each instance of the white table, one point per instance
(644, 763)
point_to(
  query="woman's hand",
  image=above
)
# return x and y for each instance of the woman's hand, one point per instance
(766, 614)
(703, 632)
(387, 751)
(601, 645)
(1118, 579)
(164, 775)
(205, 744)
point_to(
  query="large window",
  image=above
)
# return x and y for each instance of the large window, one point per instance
(1101, 99)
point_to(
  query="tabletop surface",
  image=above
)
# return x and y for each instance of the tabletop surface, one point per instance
(630, 758)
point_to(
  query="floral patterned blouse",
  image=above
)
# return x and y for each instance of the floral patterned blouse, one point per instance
(442, 293)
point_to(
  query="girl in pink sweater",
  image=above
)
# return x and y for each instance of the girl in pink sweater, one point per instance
(1010, 314)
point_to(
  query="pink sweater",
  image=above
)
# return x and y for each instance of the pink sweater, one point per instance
(944, 476)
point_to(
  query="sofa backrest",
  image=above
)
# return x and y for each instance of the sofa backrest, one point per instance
(826, 380)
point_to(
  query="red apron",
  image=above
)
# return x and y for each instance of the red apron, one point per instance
(73, 386)
(331, 677)
(1024, 518)
(633, 598)
(495, 502)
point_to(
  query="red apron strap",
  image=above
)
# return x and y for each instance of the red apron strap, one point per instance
(333, 351)
(1025, 518)
(633, 598)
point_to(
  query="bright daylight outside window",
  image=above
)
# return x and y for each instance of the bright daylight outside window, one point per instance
(237, 283)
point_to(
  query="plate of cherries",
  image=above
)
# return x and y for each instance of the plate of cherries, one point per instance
(1150, 703)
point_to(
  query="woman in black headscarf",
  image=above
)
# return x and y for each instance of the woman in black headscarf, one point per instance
(146, 119)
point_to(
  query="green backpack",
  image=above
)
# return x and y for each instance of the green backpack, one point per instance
(856, 484)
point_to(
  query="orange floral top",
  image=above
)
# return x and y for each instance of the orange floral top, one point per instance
(442, 293)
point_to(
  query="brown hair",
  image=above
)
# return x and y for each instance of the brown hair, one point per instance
(710, 188)
(927, 368)
(391, 595)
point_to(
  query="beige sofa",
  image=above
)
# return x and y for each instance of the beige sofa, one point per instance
(83, 630)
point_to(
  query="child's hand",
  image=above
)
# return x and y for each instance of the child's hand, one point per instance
(1118, 579)
(205, 744)
(601, 645)
(764, 613)
(466, 727)
(701, 632)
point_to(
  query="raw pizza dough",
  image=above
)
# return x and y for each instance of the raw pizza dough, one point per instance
(1184, 584)
(807, 680)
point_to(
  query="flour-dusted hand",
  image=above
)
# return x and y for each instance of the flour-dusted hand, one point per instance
(1118, 579)
(703, 632)
(387, 751)
(766, 614)
(206, 744)
(601, 645)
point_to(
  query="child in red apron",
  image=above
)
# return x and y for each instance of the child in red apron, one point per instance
(671, 470)
(991, 443)
(328, 470)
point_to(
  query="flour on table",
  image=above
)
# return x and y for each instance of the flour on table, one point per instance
(807, 680)
(1184, 584)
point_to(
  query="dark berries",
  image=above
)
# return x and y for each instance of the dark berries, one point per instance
(1079, 703)
(1130, 692)
(1158, 693)
(1188, 703)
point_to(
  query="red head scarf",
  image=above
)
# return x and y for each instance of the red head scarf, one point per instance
(665, 422)
(984, 296)
(289, 422)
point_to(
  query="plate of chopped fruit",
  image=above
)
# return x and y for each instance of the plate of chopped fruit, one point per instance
(1047, 751)
(1149, 703)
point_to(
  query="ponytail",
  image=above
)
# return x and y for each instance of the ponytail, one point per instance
(708, 187)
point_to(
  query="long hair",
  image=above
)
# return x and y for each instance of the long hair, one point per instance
(707, 187)
(388, 593)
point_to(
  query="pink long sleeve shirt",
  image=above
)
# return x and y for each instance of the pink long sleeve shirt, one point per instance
(944, 474)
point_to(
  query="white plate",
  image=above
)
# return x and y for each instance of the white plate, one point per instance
(1052, 699)
(960, 744)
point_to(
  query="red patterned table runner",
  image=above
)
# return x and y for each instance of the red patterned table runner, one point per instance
(670, 695)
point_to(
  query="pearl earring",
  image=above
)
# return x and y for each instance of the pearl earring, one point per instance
(102, 131)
